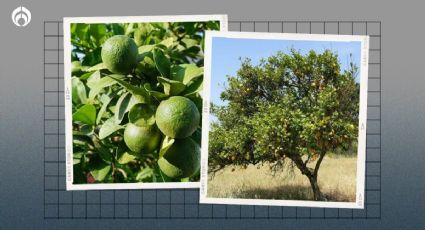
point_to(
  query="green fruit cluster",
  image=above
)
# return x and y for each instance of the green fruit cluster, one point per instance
(176, 117)
(136, 101)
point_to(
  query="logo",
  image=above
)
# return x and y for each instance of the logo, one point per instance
(21, 16)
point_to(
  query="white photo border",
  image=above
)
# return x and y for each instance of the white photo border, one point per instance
(361, 150)
(67, 21)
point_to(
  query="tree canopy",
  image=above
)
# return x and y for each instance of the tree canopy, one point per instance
(289, 106)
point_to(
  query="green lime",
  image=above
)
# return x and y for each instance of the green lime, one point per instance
(142, 139)
(181, 159)
(119, 53)
(177, 117)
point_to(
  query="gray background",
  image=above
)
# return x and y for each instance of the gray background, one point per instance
(403, 142)
(184, 203)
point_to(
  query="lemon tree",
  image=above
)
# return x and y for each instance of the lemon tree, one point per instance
(290, 108)
(136, 101)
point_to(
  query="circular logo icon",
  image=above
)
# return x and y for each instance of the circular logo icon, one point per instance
(21, 16)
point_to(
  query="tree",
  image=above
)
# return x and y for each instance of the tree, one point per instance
(289, 107)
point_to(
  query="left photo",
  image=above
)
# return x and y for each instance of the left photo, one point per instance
(133, 100)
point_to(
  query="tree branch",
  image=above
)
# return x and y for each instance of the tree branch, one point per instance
(300, 164)
(316, 168)
(307, 160)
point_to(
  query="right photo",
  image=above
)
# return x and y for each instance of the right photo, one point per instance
(286, 122)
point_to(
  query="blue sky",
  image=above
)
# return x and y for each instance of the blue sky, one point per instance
(227, 51)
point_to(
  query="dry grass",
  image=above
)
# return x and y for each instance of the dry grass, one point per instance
(337, 181)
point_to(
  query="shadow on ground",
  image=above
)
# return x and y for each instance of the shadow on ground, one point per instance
(288, 192)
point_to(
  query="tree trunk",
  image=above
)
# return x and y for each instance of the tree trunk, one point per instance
(311, 174)
(317, 195)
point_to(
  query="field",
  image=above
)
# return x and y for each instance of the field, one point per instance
(337, 181)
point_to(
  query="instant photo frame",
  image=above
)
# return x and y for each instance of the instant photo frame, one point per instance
(361, 144)
(68, 97)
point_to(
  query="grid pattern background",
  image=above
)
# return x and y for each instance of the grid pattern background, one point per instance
(184, 203)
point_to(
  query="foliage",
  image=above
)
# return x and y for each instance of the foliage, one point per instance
(290, 106)
(169, 63)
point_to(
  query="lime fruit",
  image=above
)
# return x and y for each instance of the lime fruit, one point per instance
(181, 159)
(119, 54)
(177, 117)
(142, 139)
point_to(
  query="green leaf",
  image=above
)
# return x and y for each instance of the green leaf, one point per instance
(92, 58)
(168, 42)
(79, 29)
(145, 52)
(109, 126)
(162, 63)
(97, 67)
(79, 95)
(145, 49)
(158, 95)
(126, 158)
(117, 29)
(96, 85)
(104, 153)
(122, 105)
(83, 140)
(185, 73)
(86, 76)
(142, 115)
(189, 42)
(194, 87)
(86, 130)
(189, 27)
(98, 32)
(77, 157)
(95, 76)
(85, 114)
(79, 175)
(171, 87)
(129, 29)
(145, 174)
(166, 144)
(164, 178)
(146, 66)
(213, 25)
(140, 93)
(184, 179)
(141, 34)
(100, 170)
(161, 47)
(105, 99)
(163, 26)
(135, 99)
